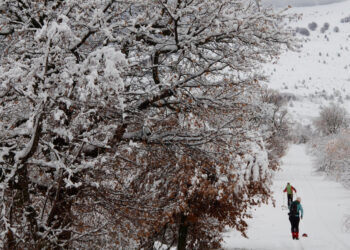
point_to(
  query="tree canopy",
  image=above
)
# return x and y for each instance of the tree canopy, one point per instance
(126, 124)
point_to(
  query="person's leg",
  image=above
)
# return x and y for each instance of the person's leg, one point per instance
(291, 225)
(290, 199)
(297, 227)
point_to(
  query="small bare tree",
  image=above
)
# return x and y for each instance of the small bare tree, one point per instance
(331, 120)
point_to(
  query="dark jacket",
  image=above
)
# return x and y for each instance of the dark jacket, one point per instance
(300, 211)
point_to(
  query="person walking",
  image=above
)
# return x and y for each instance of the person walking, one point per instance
(289, 189)
(296, 213)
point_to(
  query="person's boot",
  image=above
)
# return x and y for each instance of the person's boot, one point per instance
(293, 235)
(297, 235)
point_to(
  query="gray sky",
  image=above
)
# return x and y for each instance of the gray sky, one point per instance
(298, 3)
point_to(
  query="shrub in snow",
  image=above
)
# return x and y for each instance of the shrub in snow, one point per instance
(303, 31)
(346, 223)
(333, 155)
(336, 29)
(312, 26)
(126, 123)
(331, 120)
(340, 100)
(345, 19)
(336, 92)
(325, 27)
(288, 97)
(301, 133)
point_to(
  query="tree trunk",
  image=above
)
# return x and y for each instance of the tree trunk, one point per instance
(181, 243)
(10, 243)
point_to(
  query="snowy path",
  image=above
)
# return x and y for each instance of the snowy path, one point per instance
(325, 203)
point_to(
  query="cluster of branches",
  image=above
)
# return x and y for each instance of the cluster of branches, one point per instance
(129, 124)
(277, 126)
(332, 119)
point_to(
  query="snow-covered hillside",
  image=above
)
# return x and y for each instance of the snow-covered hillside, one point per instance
(315, 76)
(297, 3)
(320, 72)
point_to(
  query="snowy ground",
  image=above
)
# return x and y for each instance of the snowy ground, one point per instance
(325, 204)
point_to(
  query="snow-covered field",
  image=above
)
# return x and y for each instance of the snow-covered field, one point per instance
(320, 72)
(317, 75)
(325, 204)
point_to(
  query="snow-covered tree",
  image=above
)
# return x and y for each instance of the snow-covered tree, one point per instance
(130, 123)
(332, 119)
(276, 126)
(332, 155)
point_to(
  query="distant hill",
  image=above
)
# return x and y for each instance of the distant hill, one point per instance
(298, 3)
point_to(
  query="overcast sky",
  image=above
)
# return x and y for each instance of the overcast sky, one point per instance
(298, 3)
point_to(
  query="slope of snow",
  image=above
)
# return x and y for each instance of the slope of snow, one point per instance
(320, 72)
(325, 204)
